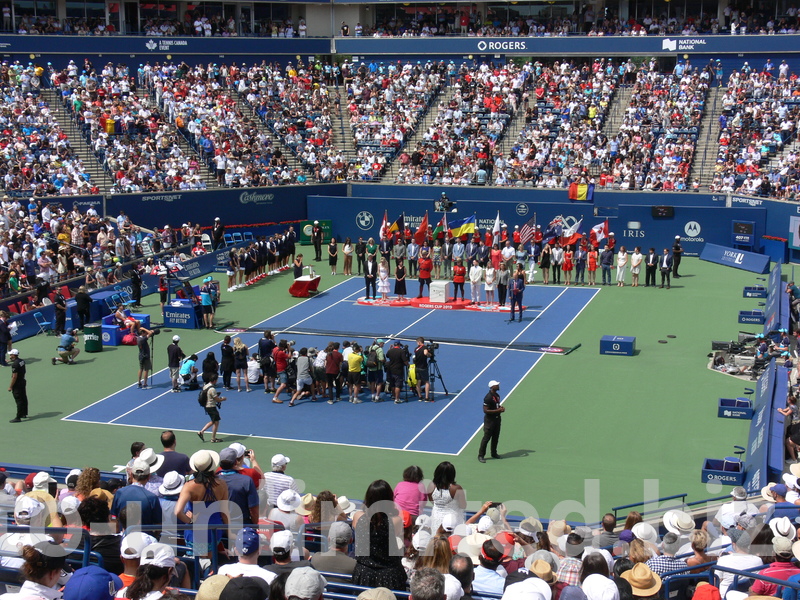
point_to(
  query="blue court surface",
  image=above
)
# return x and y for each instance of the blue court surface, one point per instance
(445, 426)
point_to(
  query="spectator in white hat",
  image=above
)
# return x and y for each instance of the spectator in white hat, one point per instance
(781, 568)
(27, 511)
(276, 481)
(284, 511)
(305, 583)
(157, 564)
(41, 570)
(169, 491)
(285, 557)
(137, 493)
(201, 487)
(130, 551)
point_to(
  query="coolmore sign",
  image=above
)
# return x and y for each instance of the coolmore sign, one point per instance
(738, 259)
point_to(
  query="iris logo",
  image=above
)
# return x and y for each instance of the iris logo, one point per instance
(365, 220)
(692, 229)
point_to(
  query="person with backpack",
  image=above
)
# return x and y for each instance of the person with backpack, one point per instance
(265, 347)
(375, 361)
(516, 287)
(210, 399)
(304, 380)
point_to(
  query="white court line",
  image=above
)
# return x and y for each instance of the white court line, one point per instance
(265, 437)
(519, 381)
(200, 352)
(490, 363)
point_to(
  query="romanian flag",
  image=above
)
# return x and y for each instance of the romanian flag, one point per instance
(398, 225)
(581, 191)
(462, 226)
(422, 230)
(441, 228)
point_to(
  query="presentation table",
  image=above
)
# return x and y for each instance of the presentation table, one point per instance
(184, 316)
(303, 286)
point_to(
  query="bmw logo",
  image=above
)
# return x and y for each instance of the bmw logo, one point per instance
(365, 220)
(522, 209)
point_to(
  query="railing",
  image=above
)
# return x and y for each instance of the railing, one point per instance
(615, 509)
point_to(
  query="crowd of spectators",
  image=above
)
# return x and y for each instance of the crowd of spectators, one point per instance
(417, 536)
(460, 145)
(760, 112)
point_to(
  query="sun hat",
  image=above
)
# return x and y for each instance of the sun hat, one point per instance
(346, 505)
(204, 460)
(739, 493)
(599, 587)
(379, 593)
(543, 571)
(555, 529)
(643, 581)
(645, 532)
(42, 480)
(212, 587)
(288, 500)
(678, 522)
(152, 459)
(173, 484)
(530, 527)
(306, 505)
(783, 527)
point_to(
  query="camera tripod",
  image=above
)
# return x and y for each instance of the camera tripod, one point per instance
(433, 374)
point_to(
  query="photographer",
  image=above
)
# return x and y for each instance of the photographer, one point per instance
(211, 407)
(421, 355)
(396, 364)
(66, 348)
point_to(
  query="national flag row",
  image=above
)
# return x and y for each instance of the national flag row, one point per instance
(556, 230)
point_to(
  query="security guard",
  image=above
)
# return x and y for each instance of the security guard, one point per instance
(17, 387)
(491, 421)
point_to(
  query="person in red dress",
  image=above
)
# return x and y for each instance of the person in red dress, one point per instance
(425, 265)
(592, 258)
(459, 276)
(567, 265)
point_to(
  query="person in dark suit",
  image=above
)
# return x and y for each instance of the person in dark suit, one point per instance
(385, 248)
(218, 234)
(650, 267)
(665, 266)
(361, 254)
(677, 253)
(83, 306)
(5, 338)
(370, 276)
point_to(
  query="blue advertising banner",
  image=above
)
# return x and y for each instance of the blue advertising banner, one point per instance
(25, 326)
(242, 206)
(776, 307)
(565, 46)
(158, 47)
(757, 442)
(776, 452)
(738, 259)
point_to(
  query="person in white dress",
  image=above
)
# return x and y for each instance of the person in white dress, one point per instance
(636, 265)
(622, 266)
(383, 280)
(490, 283)
(447, 496)
(475, 277)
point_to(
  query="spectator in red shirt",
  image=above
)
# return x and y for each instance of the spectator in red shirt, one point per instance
(281, 362)
(782, 568)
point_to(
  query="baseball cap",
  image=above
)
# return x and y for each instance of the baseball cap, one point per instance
(340, 533)
(493, 383)
(132, 544)
(280, 460)
(227, 457)
(41, 480)
(68, 505)
(245, 588)
(72, 478)
(159, 555)
(140, 467)
(379, 593)
(216, 218)
(239, 448)
(27, 507)
(780, 489)
(176, 338)
(92, 583)
(727, 521)
(282, 540)
(305, 583)
(677, 237)
(449, 522)
(247, 541)
(14, 352)
(782, 545)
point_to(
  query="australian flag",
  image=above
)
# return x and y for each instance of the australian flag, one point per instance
(553, 230)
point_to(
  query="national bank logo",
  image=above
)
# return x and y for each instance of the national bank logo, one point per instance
(669, 45)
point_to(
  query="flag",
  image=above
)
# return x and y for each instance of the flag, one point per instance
(398, 225)
(462, 226)
(581, 191)
(441, 228)
(496, 230)
(598, 233)
(527, 231)
(553, 230)
(422, 230)
(384, 230)
(573, 234)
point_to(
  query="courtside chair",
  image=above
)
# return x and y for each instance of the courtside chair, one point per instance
(248, 236)
(206, 239)
(44, 324)
(228, 239)
(237, 238)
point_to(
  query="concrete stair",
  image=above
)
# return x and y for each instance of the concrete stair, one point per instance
(616, 112)
(706, 148)
(92, 166)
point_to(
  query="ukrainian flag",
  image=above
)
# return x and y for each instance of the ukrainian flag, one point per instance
(462, 226)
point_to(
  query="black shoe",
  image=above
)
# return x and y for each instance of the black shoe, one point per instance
(497, 456)
(481, 459)
(15, 421)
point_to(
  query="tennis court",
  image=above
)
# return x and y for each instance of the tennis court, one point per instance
(490, 348)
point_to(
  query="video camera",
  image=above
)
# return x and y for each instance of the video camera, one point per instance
(431, 347)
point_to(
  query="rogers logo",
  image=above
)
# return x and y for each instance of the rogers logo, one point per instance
(484, 45)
